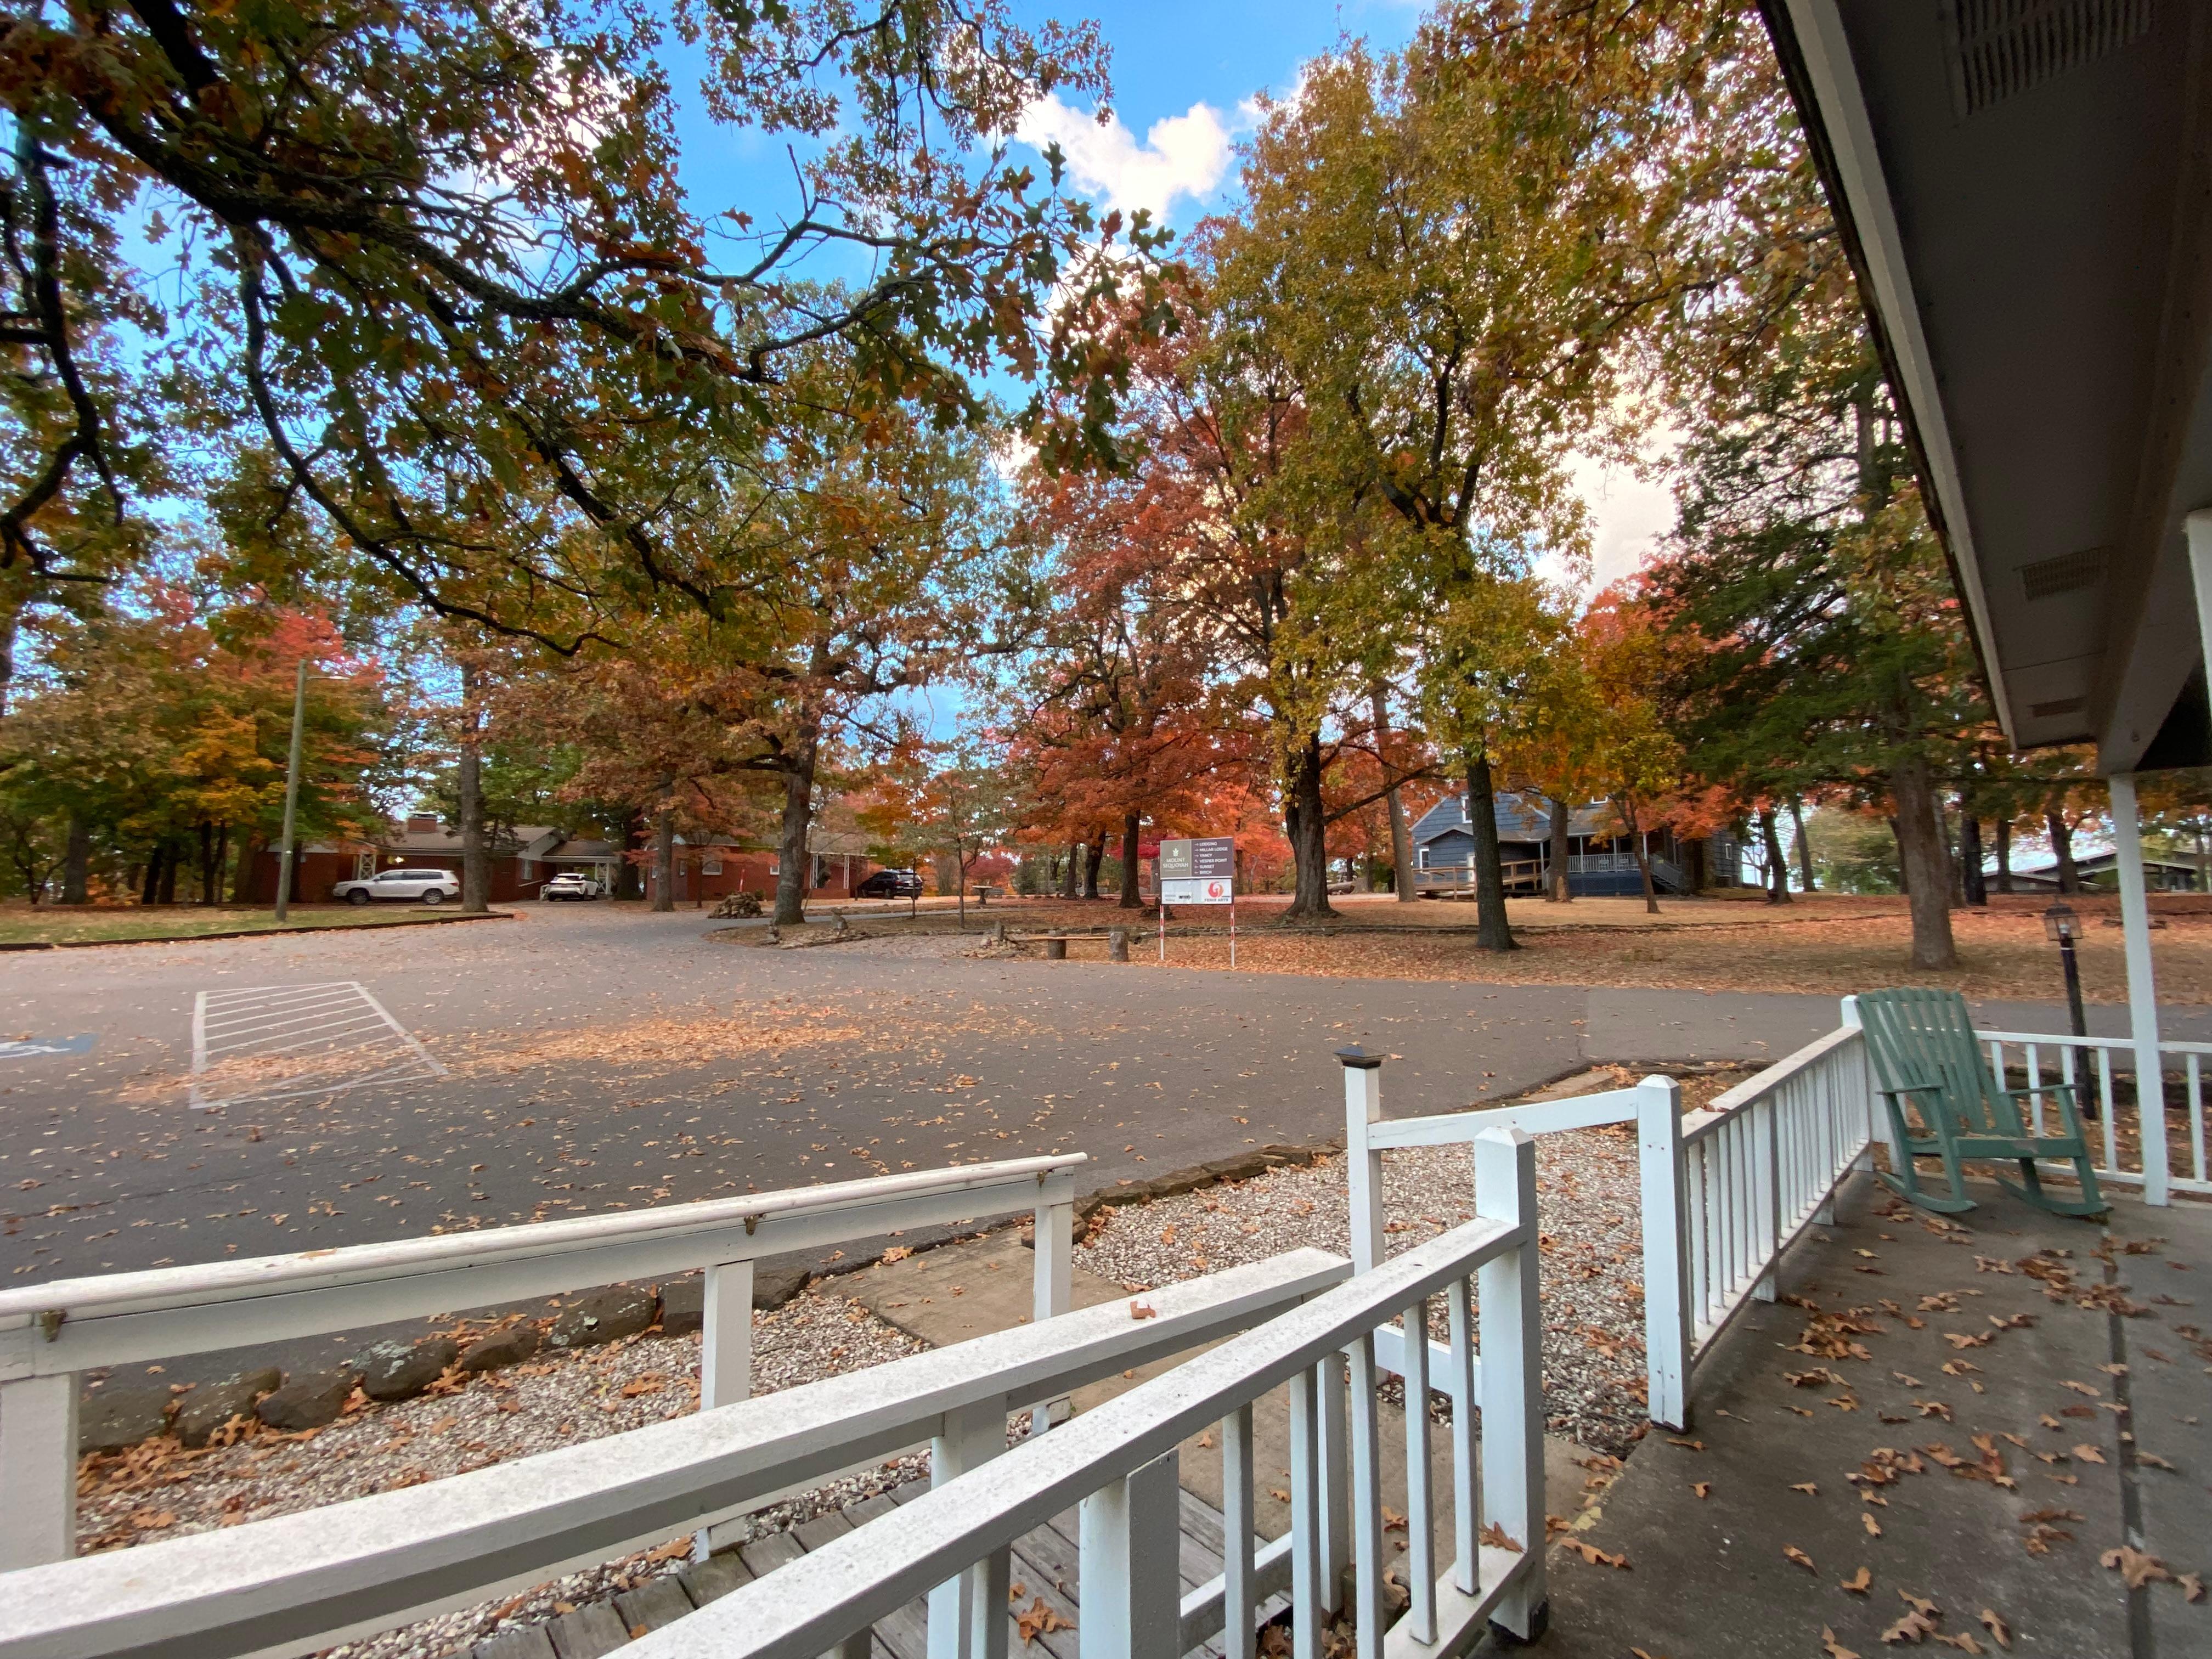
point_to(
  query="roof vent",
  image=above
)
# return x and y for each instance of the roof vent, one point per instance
(2004, 47)
(2046, 579)
(2046, 711)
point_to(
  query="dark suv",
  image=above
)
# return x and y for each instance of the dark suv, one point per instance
(889, 884)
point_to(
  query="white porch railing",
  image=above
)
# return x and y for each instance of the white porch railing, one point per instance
(300, 1583)
(50, 1332)
(1725, 1190)
(2038, 1057)
(1119, 1462)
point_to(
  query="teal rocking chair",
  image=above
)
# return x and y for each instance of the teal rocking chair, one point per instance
(1925, 1052)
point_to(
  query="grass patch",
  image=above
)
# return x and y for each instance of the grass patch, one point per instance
(52, 925)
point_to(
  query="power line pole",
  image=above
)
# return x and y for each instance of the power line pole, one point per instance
(291, 795)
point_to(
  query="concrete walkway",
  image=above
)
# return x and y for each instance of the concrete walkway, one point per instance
(1941, 1429)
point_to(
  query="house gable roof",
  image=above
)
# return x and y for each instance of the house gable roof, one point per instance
(1520, 818)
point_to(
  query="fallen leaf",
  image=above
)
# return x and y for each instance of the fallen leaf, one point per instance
(1963, 1641)
(1872, 1526)
(1807, 1487)
(1039, 1620)
(1913, 1627)
(2193, 1586)
(1498, 1539)
(1799, 1556)
(1143, 1311)
(1692, 1446)
(2089, 1454)
(1859, 1582)
(1597, 1557)
(2080, 1388)
(2000, 1632)
(1703, 1488)
(1832, 1648)
(2136, 1569)
(2153, 1459)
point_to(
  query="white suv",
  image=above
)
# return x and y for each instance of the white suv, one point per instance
(572, 884)
(421, 886)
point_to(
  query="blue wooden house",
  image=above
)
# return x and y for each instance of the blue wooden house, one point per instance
(1601, 861)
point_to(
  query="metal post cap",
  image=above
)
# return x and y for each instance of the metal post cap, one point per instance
(1358, 1059)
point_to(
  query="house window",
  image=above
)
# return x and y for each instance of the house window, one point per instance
(772, 868)
(710, 867)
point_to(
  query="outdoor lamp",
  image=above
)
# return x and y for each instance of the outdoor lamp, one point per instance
(2062, 926)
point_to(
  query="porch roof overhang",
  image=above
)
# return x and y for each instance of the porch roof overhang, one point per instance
(2025, 191)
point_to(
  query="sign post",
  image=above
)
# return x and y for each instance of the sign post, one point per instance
(1200, 871)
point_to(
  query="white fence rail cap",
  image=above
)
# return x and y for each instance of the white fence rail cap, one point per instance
(299, 1582)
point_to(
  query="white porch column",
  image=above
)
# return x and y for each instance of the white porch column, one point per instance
(2143, 994)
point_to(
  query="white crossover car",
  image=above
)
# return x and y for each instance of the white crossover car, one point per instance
(413, 886)
(572, 884)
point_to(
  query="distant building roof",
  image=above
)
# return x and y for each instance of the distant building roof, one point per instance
(1521, 816)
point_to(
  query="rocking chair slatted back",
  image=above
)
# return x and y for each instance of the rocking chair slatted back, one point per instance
(1924, 1041)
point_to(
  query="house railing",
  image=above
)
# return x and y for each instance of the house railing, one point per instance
(1724, 1191)
(2143, 1159)
(300, 1583)
(51, 1333)
(1516, 874)
(1119, 1462)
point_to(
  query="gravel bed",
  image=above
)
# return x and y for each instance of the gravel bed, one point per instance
(160, 1489)
(1590, 1236)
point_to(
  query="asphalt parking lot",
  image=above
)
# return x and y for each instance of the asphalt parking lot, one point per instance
(579, 1058)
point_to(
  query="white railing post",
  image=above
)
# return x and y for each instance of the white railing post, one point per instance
(1132, 1534)
(1879, 1126)
(726, 1351)
(1667, 1324)
(1362, 1165)
(1512, 1380)
(1333, 1515)
(1239, 1605)
(2143, 993)
(1052, 1287)
(38, 1471)
(969, 1436)
(1306, 1564)
(1766, 1194)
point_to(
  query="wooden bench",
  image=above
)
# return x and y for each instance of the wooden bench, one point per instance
(1115, 940)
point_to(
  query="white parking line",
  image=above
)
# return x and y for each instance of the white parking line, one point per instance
(285, 1041)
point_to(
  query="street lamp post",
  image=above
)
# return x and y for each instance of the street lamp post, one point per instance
(2063, 925)
(292, 795)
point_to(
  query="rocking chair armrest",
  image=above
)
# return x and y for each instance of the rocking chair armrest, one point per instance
(2067, 1089)
(1912, 1089)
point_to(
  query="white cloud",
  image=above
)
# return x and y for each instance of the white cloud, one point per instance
(1183, 155)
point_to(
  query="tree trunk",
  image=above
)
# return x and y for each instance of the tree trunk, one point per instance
(170, 860)
(1562, 891)
(221, 858)
(1625, 806)
(76, 862)
(1925, 867)
(1070, 877)
(2004, 853)
(241, 883)
(1402, 834)
(664, 851)
(1804, 847)
(1491, 930)
(1970, 859)
(1777, 863)
(1130, 898)
(1903, 875)
(791, 856)
(1093, 863)
(629, 883)
(1305, 824)
(2062, 848)
(207, 861)
(474, 855)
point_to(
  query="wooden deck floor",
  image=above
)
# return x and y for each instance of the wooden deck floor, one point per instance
(1044, 1568)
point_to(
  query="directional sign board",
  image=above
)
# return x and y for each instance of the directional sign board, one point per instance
(1202, 871)
(1188, 890)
